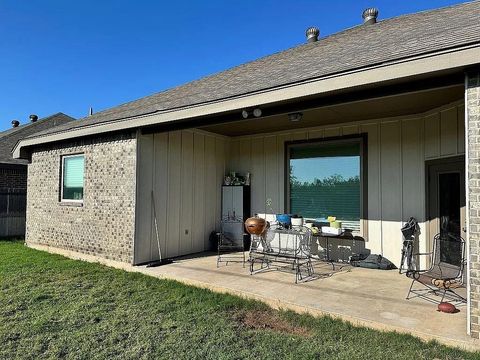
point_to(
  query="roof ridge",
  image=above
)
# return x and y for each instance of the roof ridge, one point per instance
(421, 12)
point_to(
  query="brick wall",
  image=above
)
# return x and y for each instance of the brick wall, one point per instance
(104, 225)
(13, 177)
(472, 103)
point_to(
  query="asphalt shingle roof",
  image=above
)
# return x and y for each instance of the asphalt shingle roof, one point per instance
(361, 46)
(10, 137)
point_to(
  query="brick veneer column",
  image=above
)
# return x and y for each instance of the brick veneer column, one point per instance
(472, 103)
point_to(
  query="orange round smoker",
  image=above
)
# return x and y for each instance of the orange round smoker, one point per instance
(255, 226)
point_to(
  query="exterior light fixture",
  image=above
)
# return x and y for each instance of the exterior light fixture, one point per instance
(255, 112)
(295, 117)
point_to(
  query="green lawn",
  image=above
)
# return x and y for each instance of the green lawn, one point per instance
(53, 307)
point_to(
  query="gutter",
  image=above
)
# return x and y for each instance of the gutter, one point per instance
(405, 68)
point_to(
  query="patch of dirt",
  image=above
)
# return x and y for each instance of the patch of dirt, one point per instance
(264, 319)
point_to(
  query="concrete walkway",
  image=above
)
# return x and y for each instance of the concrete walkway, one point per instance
(365, 297)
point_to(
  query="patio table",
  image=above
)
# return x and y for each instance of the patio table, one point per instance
(345, 235)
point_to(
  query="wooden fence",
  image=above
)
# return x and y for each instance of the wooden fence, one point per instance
(12, 212)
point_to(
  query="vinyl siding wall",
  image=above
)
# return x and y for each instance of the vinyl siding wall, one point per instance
(184, 169)
(397, 151)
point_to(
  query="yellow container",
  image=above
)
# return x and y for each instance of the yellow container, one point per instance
(336, 224)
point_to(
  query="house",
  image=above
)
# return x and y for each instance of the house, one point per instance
(13, 172)
(391, 108)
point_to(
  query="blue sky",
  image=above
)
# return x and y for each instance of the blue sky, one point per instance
(58, 55)
(321, 168)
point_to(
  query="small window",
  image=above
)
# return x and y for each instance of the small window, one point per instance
(325, 179)
(72, 177)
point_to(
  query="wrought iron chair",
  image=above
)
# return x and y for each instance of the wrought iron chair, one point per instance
(446, 272)
(231, 242)
(286, 249)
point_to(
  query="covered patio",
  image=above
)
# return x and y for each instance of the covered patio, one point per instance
(402, 129)
(398, 130)
(372, 298)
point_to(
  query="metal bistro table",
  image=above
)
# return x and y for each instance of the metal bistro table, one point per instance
(344, 235)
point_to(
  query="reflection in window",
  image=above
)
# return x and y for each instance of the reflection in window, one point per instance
(325, 181)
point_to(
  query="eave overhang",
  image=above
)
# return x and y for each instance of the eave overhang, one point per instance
(410, 68)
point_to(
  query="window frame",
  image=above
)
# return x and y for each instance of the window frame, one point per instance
(62, 168)
(357, 138)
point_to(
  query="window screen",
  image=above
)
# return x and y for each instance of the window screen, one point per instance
(73, 168)
(325, 181)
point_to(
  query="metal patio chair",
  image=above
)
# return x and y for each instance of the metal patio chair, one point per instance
(446, 273)
(231, 242)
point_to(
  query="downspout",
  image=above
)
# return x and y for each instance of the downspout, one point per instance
(467, 207)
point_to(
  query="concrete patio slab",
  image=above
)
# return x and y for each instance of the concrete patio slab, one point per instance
(372, 298)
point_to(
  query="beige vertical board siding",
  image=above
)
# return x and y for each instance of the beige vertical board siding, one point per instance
(174, 193)
(413, 168)
(160, 189)
(198, 226)
(432, 136)
(258, 176)
(235, 160)
(185, 170)
(299, 135)
(448, 132)
(461, 129)
(391, 188)
(271, 169)
(244, 155)
(332, 132)
(315, 134)
(350, 130)
(211, 192)
(186, 206)
(143, 218)
(220, 155)
(374, 233)
(281, 169)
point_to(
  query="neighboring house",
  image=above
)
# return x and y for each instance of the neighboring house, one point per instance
(13, 172)
(389, 110)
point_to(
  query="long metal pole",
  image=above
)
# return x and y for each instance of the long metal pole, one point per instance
(156, 227)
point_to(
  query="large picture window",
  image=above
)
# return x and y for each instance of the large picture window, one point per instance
(72, 177)
(325, 179)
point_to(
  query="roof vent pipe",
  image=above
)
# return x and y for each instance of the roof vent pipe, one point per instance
(312, 34)
(33, 118)
(370, 16)
(15, 123)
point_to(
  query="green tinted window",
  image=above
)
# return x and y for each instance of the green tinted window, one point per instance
(325, 181)
(73, 171)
